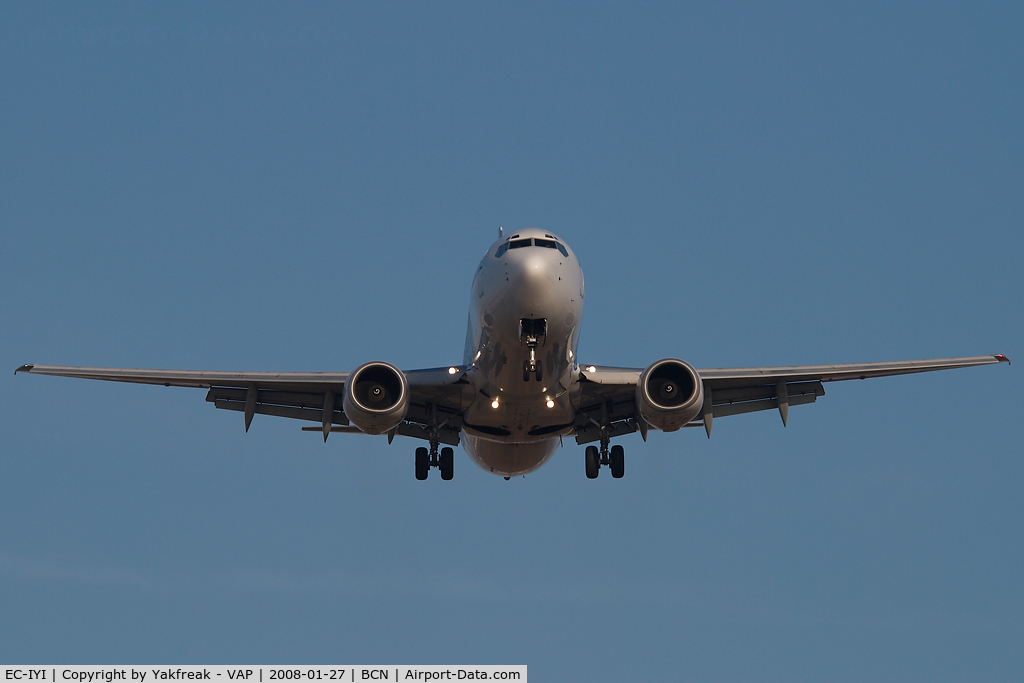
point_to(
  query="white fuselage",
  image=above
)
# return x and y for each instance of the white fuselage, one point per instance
(524, 380)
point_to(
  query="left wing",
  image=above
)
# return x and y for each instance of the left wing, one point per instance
(608, 394)
(435, 395)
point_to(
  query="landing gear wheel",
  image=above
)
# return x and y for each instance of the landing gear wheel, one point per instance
(422, 463)
(593, 459)
(526, 371)
(447, 464)
(540, 372)
(618, 462)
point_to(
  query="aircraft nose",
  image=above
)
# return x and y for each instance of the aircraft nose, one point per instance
(536, 276)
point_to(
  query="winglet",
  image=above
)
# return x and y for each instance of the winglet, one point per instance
(27, 367)
(999, 357)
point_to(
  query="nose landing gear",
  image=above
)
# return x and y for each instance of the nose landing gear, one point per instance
(532, 367)
(531, 331)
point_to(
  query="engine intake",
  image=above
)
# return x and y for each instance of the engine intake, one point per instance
(669, 394)
(376, 397)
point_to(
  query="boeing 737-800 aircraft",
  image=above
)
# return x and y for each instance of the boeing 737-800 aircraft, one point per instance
(520, 387)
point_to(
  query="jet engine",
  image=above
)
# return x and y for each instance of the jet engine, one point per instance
(669, 394)
(376, 397)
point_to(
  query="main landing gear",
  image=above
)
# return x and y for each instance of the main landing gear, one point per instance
(445, 461)
(615, 459)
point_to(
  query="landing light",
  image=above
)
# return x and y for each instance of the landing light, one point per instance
(452, 371)
(591, 369)
(494, 403)
(550, 404)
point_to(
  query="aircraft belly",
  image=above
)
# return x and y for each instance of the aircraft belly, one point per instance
(509, 459)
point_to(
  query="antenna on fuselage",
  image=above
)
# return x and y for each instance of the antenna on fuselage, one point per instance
(501, 232)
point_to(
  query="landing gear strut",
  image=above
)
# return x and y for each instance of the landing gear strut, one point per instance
(614, 459)
(531, 331)
(444, 461)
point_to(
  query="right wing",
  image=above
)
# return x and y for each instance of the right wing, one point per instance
(608, 395)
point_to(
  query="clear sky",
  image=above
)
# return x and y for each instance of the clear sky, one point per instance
(277, 187)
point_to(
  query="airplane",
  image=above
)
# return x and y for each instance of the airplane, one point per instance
(520, 388)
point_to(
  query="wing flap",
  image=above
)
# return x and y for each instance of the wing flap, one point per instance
(295, 405)
(737, 395)
(727, 409)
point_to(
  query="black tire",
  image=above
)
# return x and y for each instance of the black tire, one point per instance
(593, 459)
(422, 463)
(526, 371)
(618, 462)
(447, 464)
(540, 372)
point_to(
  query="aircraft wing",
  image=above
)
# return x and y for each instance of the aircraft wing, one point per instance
(193, 378)
(435, 394)
(608, 393)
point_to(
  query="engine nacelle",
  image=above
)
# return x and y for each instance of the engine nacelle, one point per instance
(376, 397)
(669, 394)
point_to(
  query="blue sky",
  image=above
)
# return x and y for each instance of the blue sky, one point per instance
(269, 187)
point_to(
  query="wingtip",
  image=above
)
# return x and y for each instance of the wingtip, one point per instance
(27, 367)
(1002, 359)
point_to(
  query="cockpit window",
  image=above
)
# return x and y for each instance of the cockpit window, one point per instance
(513, 243)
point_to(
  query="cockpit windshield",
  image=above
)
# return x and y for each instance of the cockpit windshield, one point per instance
(529, 242)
